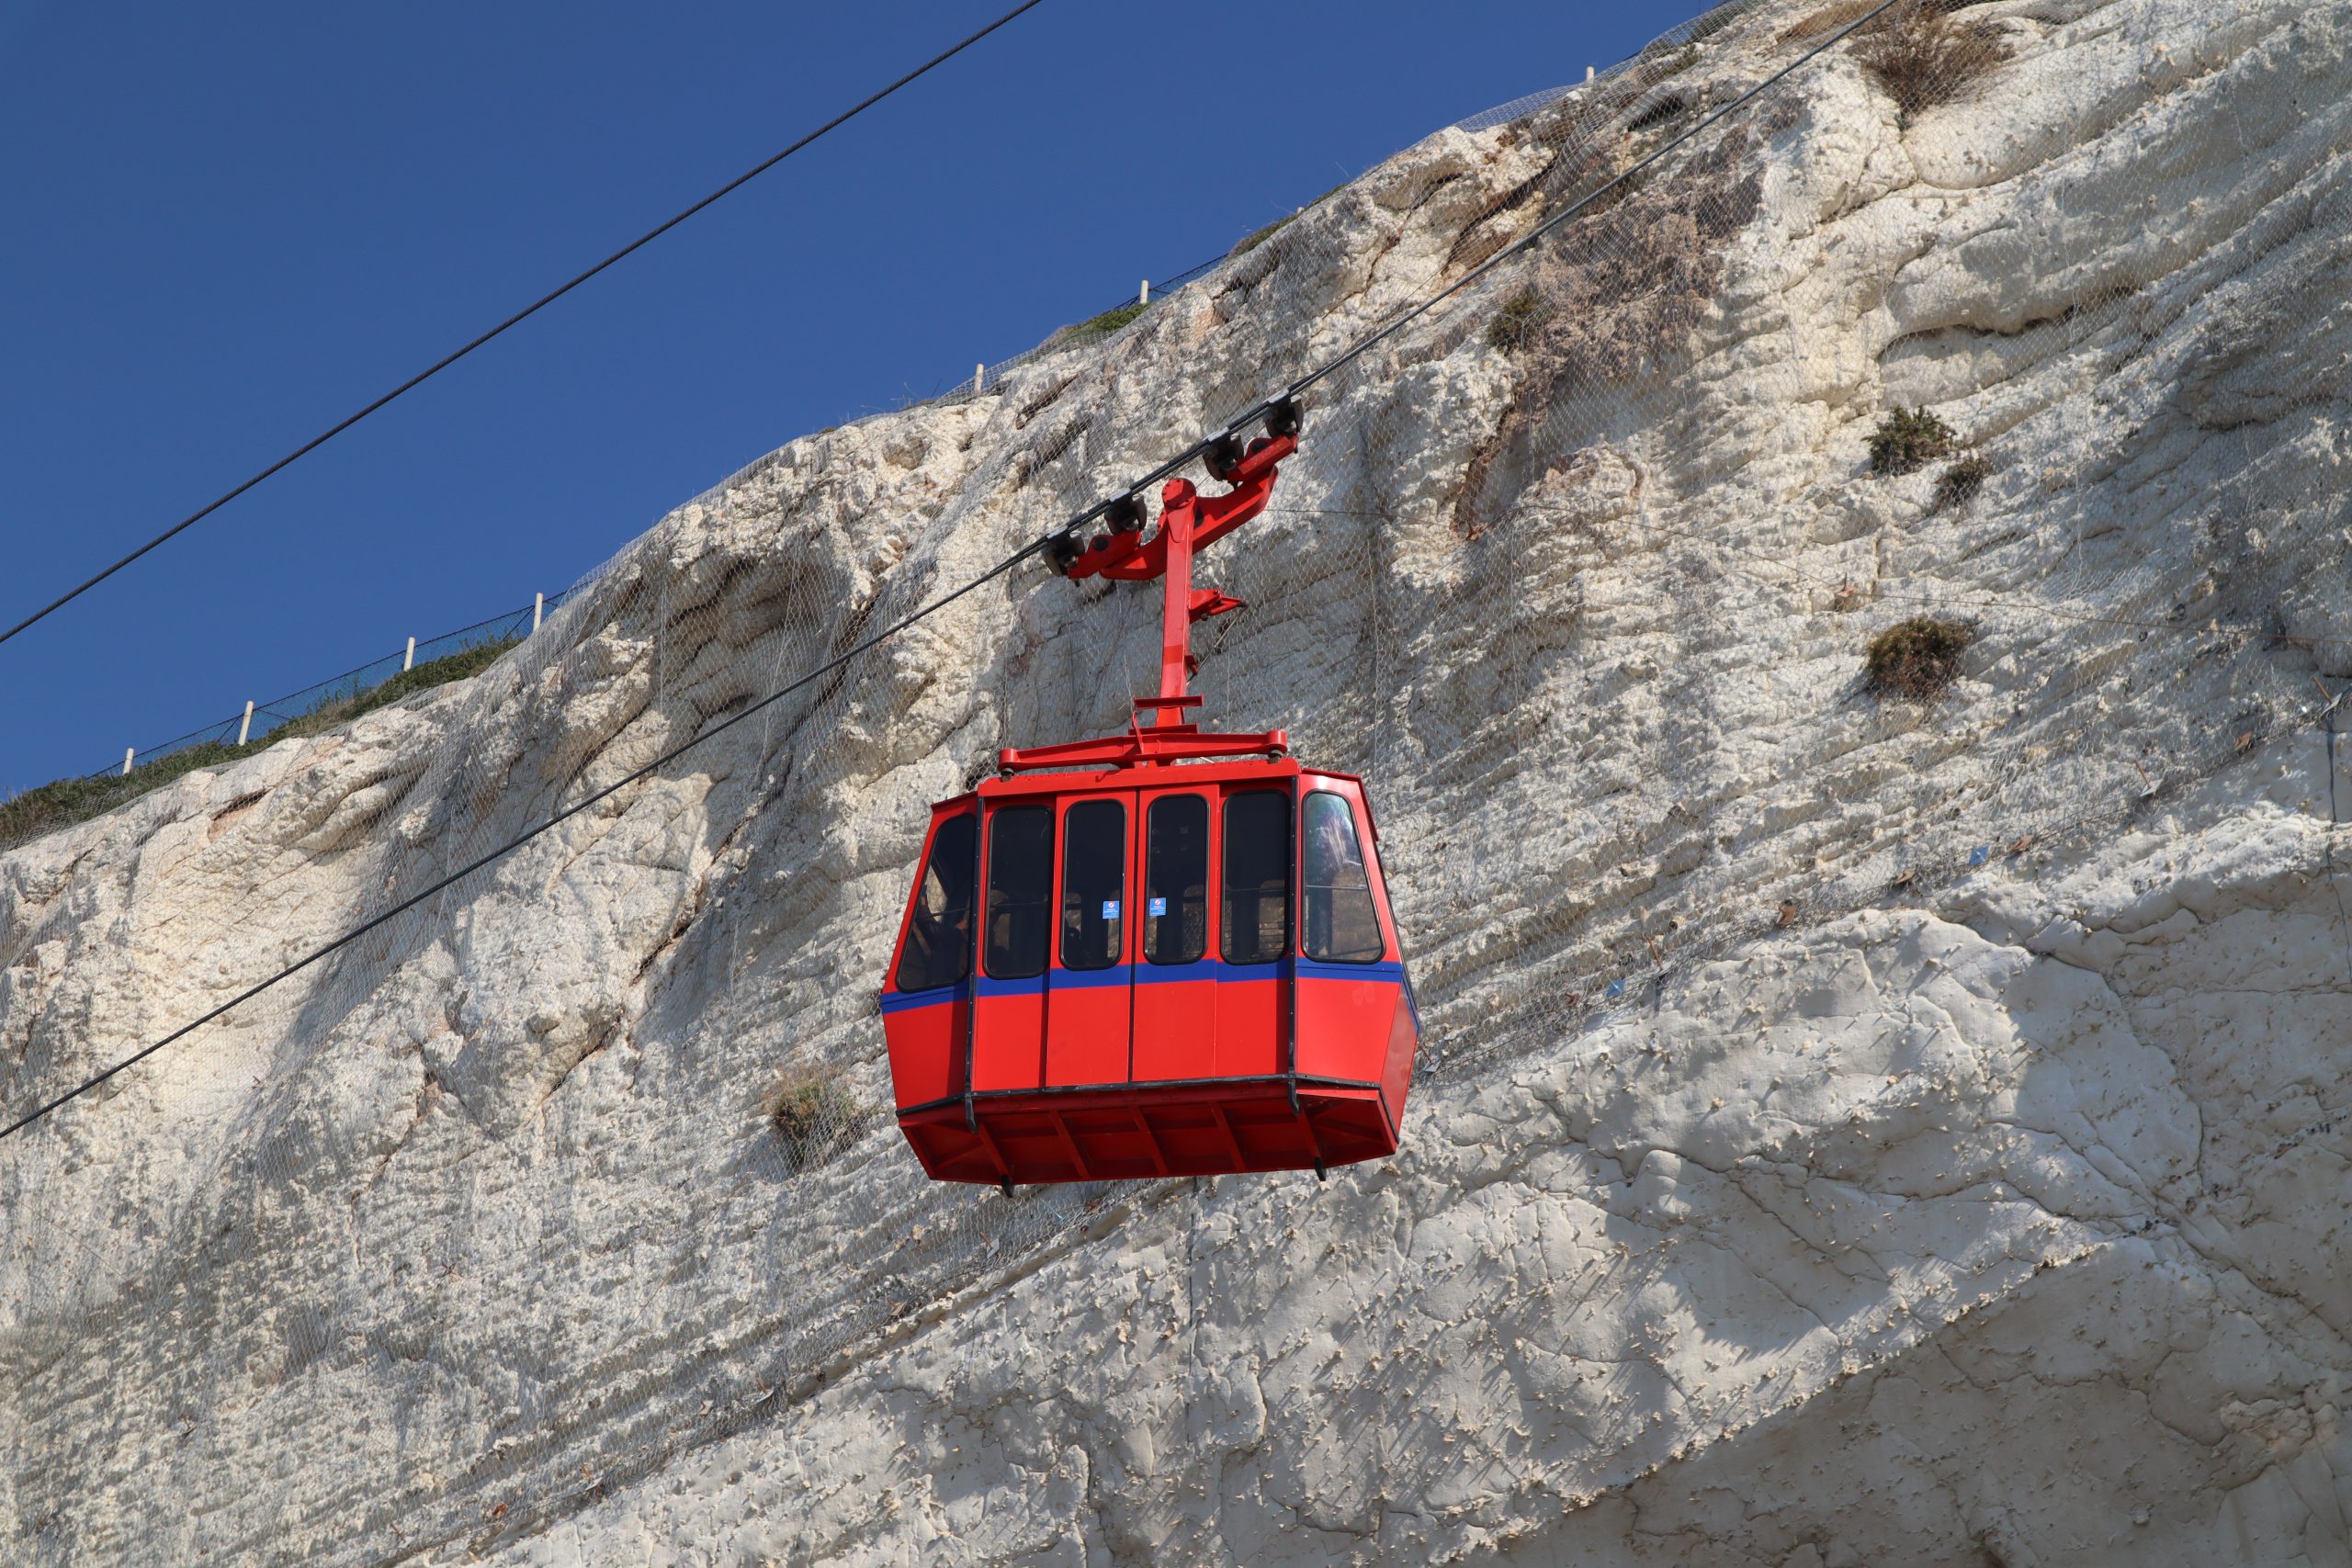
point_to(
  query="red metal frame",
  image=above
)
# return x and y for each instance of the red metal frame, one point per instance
(1189, 523)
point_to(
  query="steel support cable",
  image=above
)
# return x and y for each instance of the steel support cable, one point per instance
(1527, 239)
(2335, 821)
(1177, 279)
(411, 902)
(543, 300)
(1370, 340)
(1096, 510)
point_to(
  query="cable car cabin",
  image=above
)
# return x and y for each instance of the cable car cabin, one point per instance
(1167, 952)
(1181, 971)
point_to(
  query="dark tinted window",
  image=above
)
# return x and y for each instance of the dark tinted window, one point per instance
(1094, 884)
(1340, 925)
(1176, 879)
(939, 936)
(1257, 877)
(1021, 882)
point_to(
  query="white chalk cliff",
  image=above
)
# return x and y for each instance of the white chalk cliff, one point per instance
(1851, 1129)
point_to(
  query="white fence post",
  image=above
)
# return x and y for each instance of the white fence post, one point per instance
(539, 608)
(1143, 295)
(980, 378)
(408, 660)
(246, 728)
(1588, 72)
(128, 752)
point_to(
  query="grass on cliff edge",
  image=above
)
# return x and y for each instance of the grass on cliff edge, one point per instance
(1257, 237)
(1096, 328)
(68, 801)
(1921, 57)
(1963, 482)
(1516, 324)
(1916, 659)
(1908, 440)
(814, 1112)
(1918, 54)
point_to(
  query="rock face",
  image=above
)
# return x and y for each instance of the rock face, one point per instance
(1851, 1129)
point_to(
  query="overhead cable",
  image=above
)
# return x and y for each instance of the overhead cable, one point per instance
(1098, 509)
(574, 809)
(533, 309)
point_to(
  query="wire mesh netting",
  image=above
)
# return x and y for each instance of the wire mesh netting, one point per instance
(327, 701)
(432, 661)
(586, 1160)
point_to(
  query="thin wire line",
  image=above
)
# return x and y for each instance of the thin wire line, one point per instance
(2335, 821)
(1525, 240)
(1362, 346)
(1177, 279)
(516, 319)
(413, 900)
(1091, 512)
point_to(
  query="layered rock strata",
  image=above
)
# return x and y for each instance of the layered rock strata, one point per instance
(1852, 1128)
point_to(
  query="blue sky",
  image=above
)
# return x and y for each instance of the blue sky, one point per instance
(228, 226)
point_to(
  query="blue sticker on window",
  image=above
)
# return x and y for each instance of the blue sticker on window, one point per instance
(1109, 909)
(1157, 907)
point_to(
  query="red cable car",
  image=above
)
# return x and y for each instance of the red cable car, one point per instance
(1151, 998)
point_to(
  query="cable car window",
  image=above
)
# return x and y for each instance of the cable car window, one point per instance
(939, 934)
(1257, 877)
(1094, 884)
(1340, 925)
(1021, 890)
(1176, 879)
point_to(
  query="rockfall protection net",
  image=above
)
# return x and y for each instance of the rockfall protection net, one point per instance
(300, 713)
(323, 698)
(371, 1255)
